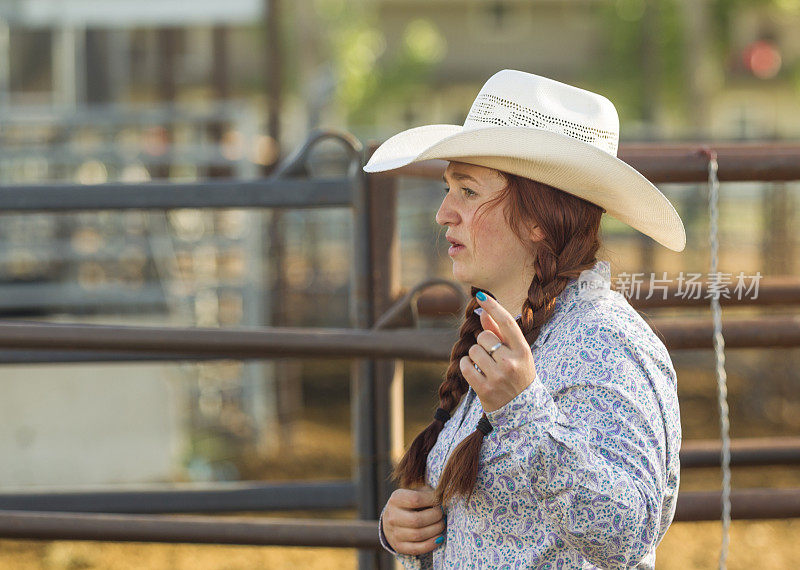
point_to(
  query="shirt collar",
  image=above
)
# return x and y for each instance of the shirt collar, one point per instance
(590, 283)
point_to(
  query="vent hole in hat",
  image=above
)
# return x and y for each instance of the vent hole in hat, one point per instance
(490, 109)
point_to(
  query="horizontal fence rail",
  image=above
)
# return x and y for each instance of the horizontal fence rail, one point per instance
(766, 332)
(746, 504)
(745, 452)
(216, 498)
(189, 529)
(682, 162)
(266, 342)
(84, 356)
(686, 162)
(322, 495)
(414, 344)
(772, 291)
(268, 193)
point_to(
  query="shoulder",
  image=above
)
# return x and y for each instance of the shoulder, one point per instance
(590, 305)
(603, 318)
(602, 335)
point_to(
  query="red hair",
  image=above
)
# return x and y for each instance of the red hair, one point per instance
(571, 240)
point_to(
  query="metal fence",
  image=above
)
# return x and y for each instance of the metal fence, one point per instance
(382, 335)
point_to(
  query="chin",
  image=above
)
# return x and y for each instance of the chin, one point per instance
(466, 278)
(461, 276)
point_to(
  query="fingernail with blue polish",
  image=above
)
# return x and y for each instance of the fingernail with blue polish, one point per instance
(439, 540)
(481, 295)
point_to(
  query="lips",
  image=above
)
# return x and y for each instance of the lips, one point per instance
(455, 246)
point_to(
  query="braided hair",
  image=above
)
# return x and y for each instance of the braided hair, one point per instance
(571, 227)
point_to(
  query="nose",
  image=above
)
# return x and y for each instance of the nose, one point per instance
(447, 214)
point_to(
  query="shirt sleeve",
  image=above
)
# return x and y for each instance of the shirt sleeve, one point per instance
(409, 561)
(591, 450)
(382, 536)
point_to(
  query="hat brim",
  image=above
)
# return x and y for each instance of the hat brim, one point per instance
(552, 158)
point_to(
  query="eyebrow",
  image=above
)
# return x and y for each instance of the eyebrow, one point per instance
(461, 176)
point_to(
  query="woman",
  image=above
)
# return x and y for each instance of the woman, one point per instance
(556, 439)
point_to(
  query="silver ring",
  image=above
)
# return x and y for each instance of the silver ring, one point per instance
(478, 368)
(495, 347)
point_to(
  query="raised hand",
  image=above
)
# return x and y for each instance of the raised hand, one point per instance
(503, 357)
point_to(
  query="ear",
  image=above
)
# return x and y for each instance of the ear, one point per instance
(536, 233)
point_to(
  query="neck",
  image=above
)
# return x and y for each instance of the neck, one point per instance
(512, 293)
(511, 301)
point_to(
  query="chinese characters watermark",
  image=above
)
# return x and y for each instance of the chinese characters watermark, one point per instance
(688, 285)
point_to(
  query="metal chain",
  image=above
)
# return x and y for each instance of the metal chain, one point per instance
(719, 352)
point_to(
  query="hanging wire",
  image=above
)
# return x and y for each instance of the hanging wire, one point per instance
(719, 352)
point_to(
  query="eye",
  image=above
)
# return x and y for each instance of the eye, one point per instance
(466, 191)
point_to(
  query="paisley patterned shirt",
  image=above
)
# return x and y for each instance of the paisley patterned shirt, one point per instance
(581, 469)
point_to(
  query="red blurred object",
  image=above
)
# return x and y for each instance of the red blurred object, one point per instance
(155, 141)
(762, 59)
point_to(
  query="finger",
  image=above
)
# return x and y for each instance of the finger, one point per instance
(506, 325)
(416, 519)
(403, 534)
(472, 376)
(417, 548)
(427, 496)
(421, 498)
(487, 340)
(489, 324)
(479, 356)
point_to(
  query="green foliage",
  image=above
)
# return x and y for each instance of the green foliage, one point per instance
(794, 76)
(722, 13)
(622, 74)
(671, 40)
(366, 75)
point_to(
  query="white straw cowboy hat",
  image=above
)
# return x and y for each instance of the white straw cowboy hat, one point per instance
(547, 131)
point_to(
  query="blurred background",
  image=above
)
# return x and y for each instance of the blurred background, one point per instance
(95, 91)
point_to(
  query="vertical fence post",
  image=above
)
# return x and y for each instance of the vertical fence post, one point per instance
(778, 242)
(388, 374)
(362, 371)
(378, 385)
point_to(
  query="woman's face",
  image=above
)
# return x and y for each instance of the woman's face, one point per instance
(486, 253)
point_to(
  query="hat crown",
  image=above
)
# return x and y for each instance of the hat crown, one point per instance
(516, 98)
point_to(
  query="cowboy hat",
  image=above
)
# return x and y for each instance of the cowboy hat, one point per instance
(547, 131)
